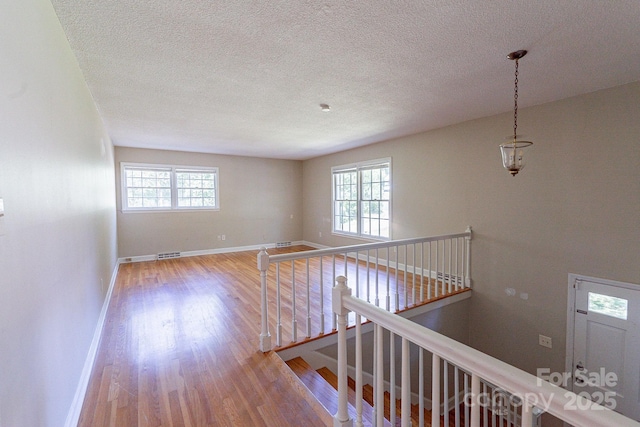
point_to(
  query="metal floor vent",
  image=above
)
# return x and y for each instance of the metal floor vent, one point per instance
(167, 255)
(282, 244)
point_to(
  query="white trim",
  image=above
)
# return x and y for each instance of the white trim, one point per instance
(172, 169)
(73, 415)
(571, 309)
(184, 254)
(314, 245)
(358, 167)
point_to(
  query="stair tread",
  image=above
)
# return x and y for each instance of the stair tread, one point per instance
(323, 384)
(326, 393)
(367, 407)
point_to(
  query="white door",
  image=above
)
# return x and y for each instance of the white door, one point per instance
(606, 345)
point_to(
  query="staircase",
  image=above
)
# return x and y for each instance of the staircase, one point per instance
(323, 383)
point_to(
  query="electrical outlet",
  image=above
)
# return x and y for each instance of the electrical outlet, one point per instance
(224, 237)
(544, 341)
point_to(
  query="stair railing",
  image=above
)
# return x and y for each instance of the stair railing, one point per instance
(395, 275)
(526, 393)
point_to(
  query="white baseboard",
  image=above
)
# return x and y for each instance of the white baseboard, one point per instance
(78, 399)
(184, 254)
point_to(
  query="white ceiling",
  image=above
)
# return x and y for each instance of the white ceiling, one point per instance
(247, 77)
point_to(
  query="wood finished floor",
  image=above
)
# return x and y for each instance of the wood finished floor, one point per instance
(180, 348)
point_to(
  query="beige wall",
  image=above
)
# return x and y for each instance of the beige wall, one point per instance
(574, 209)
(58, 235)
(257, 199)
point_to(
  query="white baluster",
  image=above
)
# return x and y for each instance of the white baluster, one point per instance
(429, 280)
(308, 302)
(405, 402)
(263, 266)
(378, 402)
(359, 382)
(494, 418)
(413, 281)
(392, 377)
(466, 391)
(450, 269)
(334, 317)
(456, 394)
(377, 299)
(485, 408)
(475, 399)
(322, 329)
(467, 277)
(278, 308)
(437, 288)
(421, 387)
(396, 278)
(294, 322)
(357, 275)
(456, 264)
(406, 288)
(422, 272)
(341, 418)
(346, 264)
(435, 391)
(527, 415)
(444, 258)
(445, 391)
(368, 278)
(388, 299)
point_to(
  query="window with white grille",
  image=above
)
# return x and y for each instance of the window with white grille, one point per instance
(162, 187)
(196, 188)
(362, 199)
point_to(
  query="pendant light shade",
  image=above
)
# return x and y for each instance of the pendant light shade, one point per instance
(512, 155)
(512, 151)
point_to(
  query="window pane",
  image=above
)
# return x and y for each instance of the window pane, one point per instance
(608, 305)
(384, 210)
(375, 191)
(368, 191)
(147, 188)
(151, 187)
(190, 185)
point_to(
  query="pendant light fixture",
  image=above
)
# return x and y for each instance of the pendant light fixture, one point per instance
(512, 157)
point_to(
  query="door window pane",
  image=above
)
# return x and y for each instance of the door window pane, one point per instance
(608, 305)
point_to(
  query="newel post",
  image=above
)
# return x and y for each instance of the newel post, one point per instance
(341, 418)
(263, 266)
(467, 278)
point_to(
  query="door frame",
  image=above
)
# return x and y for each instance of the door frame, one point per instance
(574, 279)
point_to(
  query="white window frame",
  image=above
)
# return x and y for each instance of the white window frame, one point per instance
(172, 169)
(358, 168)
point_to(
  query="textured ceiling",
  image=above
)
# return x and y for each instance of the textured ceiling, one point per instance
(247, 77)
